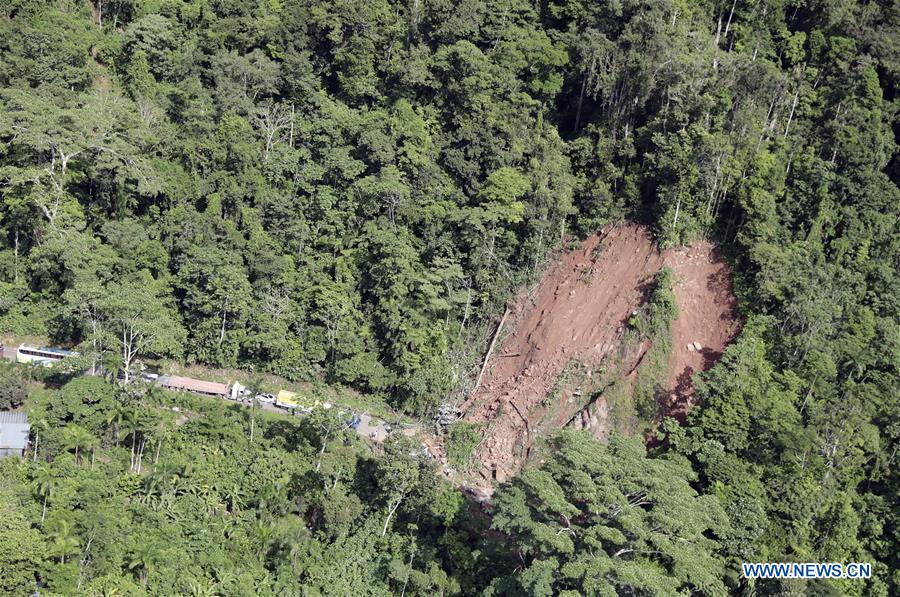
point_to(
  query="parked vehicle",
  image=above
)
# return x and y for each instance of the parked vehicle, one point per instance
(196, 386)
(237, 392)
(286, 399)
(266, 398)
(44, 356)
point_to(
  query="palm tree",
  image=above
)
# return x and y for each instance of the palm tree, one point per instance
(169, 474)
(163, 480)
(143, 559)
(293, 541)
(263, 535)
(254, 404)
(44, 481)
(38, 424)
(115, 417)
(234, 498)
(271, 501)
(152, 487)
(225, 578)
(77, 438)
(159, 433)
(202, 588)
(92, 443)
(134, 427)
(255, 387)
(188, 484)
(64, 542)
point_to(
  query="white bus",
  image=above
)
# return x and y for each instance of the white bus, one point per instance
(44, 356)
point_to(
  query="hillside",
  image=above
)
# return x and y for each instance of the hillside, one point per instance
(686, 215)
(567, 342)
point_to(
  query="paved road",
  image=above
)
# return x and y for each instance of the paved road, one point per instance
(369, 427)
(372, 428)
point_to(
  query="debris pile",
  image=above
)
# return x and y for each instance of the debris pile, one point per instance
(573, 324)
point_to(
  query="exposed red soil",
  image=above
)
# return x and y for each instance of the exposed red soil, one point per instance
(707, 319)
(578, 312)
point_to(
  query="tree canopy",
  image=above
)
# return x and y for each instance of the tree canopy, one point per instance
(349, 192)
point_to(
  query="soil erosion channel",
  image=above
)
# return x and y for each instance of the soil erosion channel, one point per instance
(565, 353)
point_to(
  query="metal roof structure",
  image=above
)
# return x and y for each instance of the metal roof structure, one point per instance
(13, 417)
(14, 431)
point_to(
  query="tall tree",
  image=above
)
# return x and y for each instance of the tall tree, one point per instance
(142, 321)
(597, 519)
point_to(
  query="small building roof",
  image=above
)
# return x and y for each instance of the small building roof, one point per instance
(13, 417)
(14, 431)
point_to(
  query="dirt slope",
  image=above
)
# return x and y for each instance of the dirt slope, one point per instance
(707, 318)
(565, 341)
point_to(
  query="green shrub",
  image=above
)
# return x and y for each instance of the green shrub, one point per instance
(12, 389)
(461, 443)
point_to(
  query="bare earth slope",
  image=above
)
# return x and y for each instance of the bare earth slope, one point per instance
(576, 318)
(707, 318)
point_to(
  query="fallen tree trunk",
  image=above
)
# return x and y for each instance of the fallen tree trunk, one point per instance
(487, 357)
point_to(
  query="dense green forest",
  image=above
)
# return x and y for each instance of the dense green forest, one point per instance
(349, 192)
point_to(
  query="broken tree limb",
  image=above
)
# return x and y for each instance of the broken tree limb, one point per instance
(487, 357)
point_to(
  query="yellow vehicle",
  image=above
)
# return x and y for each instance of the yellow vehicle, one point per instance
(286, 399)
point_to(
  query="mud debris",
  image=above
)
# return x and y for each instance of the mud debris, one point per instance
(578, 314)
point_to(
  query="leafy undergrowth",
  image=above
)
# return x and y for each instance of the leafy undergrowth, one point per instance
(653, 322)
(460, 444)
(139, 491)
